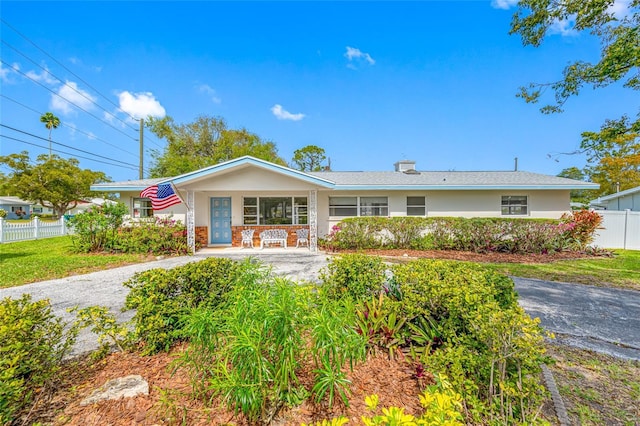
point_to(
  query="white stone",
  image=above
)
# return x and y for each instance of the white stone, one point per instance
(122, 387)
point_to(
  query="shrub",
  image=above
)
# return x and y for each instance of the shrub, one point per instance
(356, 233)
(582, 226)
(353, 275)
(33, 343)
(3, 213)
(160, 236)
(489, 348)
(248, 351)
(95, 230)
(163, 297)
(480, 235)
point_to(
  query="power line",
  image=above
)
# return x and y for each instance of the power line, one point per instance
(68, 153)
(66, 146)
(89, 135)
(62, 97)
(67, 69)
(65, 84)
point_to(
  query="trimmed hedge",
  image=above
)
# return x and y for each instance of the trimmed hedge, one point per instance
(480, 235)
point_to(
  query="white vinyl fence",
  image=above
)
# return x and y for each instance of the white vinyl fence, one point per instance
(31, 230)
(621, 230)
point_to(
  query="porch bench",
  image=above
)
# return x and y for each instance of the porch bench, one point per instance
(273, 236)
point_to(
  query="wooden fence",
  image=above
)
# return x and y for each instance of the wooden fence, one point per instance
(31, 230)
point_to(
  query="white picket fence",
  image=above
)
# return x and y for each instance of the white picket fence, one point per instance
(620, 230)
(31, 230)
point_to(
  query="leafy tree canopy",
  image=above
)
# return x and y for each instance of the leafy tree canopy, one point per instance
(205, 142)
(613, 151)
(52, 181)
(309, 159)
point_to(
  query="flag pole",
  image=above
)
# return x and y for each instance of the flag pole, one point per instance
(175, 191)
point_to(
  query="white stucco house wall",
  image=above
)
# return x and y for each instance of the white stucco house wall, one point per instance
(249, 193)
(623, 200)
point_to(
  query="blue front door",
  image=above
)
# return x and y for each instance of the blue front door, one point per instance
(221, 220)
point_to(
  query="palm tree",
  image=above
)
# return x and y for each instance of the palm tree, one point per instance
(50, 122)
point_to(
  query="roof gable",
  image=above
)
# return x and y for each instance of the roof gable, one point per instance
(247, 161)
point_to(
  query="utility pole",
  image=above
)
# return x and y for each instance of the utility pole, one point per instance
(141, 148)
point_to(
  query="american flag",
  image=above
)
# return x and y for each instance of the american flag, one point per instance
(161, 196)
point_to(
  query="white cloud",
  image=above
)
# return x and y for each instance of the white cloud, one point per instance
(354, 56)
(44, 76)
(68, 94)
(209, 91)
(619, 8)
(503, 4)
(564, 27)
(6, 72)
(140, 105)
(283, 114)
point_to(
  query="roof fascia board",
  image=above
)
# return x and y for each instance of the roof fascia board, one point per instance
(118, 188)
(620, 194)
(457, 187)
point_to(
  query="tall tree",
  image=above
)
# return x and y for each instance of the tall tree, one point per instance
(613, 155)
(50, 122)
(309, 158)
(614, 149)
(52, 182)
(205, 142)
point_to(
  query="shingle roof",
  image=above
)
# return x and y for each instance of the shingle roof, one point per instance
(452, 180)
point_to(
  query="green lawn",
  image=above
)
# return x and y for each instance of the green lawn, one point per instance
(622, 270)
(37, 260)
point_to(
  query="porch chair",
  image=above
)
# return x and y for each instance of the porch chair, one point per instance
(302, 237)
(247, 237)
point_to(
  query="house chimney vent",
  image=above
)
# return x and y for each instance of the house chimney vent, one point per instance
(405, 165)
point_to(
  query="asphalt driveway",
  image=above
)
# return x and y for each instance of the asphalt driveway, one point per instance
(601, 319)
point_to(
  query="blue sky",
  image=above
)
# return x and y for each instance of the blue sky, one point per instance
(370, 82)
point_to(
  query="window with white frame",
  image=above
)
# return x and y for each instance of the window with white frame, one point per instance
(274, 211)
(515, 205)
(358, 206)
(142, 208)
(416, 206)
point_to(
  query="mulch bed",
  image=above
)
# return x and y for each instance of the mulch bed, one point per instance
(471, 256)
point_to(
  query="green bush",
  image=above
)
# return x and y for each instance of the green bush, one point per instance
(95, 230)
(353, 275)
(161, 236)
(248, 351)
(3, 213)
(489, 347)
(163, 297)
(480, 235)
(33, 343)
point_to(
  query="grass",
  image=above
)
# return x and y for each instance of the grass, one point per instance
(25, 262)
(621, 271)
(596, 389)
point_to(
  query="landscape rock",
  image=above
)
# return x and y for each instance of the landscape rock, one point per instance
(122, 387)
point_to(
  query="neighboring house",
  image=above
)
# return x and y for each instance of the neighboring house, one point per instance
(83, 206)
(15, 207)
(623, 200)
(248, 193)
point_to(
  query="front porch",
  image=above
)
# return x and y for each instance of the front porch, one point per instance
(202, 234)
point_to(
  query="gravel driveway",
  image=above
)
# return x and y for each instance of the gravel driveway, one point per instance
(601, 319)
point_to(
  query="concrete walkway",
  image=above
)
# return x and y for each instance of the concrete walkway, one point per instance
(601, 319)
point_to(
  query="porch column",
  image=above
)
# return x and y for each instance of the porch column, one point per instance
(313, 220)
(191, 221)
